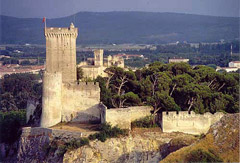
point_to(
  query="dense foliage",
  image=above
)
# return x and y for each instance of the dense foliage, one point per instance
(171, 87)
(146, 122)
(16, 89)
(10, 124)
(107, 131)
(205, 54)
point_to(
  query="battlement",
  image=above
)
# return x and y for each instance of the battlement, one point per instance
(185, 114)
(54, 31)
(90, 86)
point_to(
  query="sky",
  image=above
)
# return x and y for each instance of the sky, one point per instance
(61, 8)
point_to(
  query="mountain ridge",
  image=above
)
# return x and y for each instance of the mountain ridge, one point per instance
(125, 27)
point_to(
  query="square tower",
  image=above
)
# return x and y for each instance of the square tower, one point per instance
(61, 52)
(98, 57)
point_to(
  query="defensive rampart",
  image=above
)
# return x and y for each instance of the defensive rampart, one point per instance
(188, 122)
(122, 117)
(63, 102)
(80, 102)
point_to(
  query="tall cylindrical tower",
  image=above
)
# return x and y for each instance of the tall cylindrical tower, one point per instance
(51, 99)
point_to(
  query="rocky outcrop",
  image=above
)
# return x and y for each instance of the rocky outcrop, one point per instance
(149, 147)
(142, 145)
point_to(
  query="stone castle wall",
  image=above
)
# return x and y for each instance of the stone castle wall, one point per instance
(80, 102)
(122, 117)
(92, 72)
(190, 123)
(63, 102)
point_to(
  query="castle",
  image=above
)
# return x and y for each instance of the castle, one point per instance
(94, 67)
(64, 98)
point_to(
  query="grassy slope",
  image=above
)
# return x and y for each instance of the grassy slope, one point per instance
(223, 140)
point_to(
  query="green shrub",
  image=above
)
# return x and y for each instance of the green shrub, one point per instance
(76, 143)
(200, 155)
(62, 150)
(107, 131)
(68, 146)
(10, 125)
(146, 122)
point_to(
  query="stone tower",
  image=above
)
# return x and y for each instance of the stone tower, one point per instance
(98, 57)
(61, 52)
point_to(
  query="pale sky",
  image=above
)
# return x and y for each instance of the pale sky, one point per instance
(61, 8)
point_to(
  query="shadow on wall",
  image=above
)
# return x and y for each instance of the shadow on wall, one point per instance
(91, 115)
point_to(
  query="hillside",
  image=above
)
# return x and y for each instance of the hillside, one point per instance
(125, 27)
(220, 144)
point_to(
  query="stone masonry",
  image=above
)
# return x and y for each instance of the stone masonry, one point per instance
(190, 123)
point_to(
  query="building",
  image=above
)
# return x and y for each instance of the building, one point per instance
(227, 69)
(16, 69)
(94, 67)
(234, 64)
(178, 60)
(64, 98)
(130, 56)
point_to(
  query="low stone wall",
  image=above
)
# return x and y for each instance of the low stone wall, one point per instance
(51, 133)
(188, 122)
(122, 117)
(34, 143)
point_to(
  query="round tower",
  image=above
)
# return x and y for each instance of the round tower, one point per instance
(51, 99)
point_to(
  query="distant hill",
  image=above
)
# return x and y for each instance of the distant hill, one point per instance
(124, 27)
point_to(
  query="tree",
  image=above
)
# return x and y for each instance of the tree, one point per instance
(117, 83)
(79, 73)
(16, 89)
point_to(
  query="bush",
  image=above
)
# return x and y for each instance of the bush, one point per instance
(200, 155)
(146, 122)
(10, 125)
(107, 131)
(76, 143)
(62, 150)
(68, 146)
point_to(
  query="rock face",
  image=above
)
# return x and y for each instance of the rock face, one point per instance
(150, 147)
(142, 145)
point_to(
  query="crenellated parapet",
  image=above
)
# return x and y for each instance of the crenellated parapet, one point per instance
(173, 115)
(90, 86)
(61, 32)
